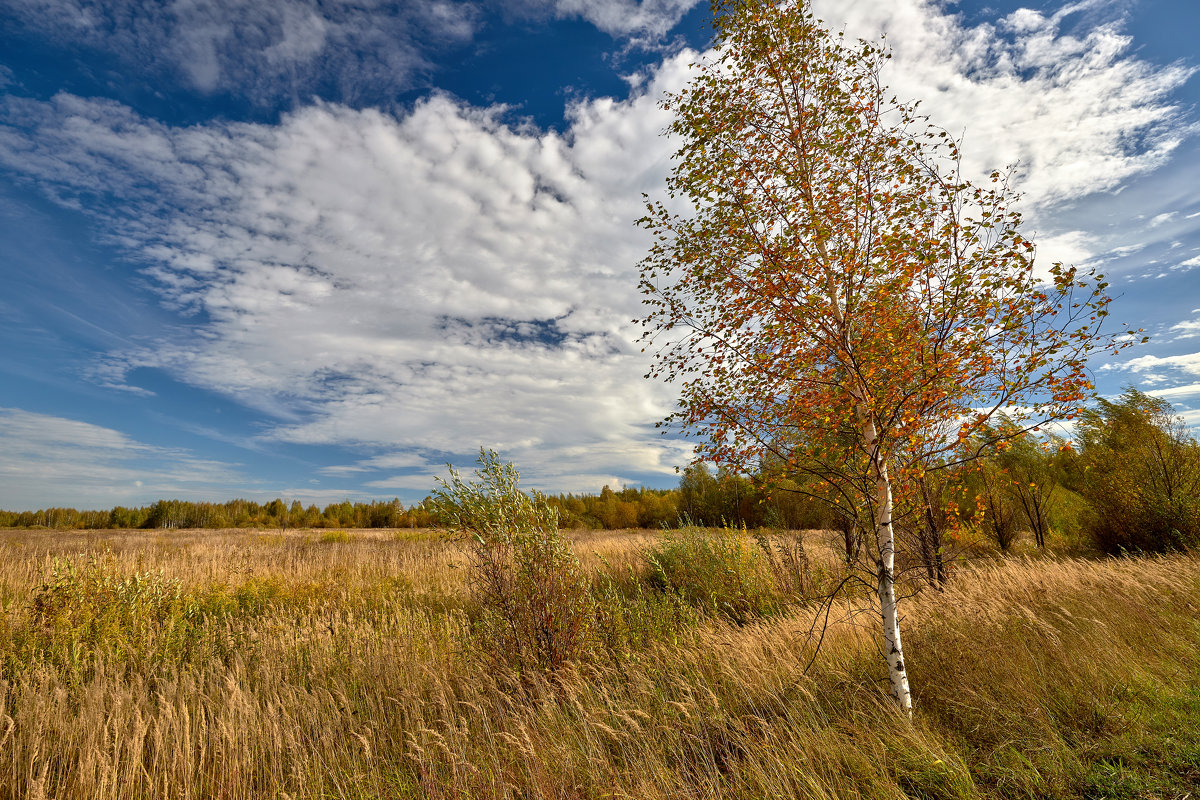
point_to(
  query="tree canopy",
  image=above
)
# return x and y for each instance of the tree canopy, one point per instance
(835, 295)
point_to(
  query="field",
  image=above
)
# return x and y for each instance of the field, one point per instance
(313, 664)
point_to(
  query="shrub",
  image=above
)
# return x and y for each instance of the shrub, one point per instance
(535, 606)
(93, 598)
(1144, 523)
(629, 619)
(1141, 476)
(718, 570)
(84, 612)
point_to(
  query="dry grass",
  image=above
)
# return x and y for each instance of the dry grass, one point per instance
(304, 665)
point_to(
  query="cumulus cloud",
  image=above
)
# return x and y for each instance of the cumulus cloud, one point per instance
(48, 461)
(445, 279)
(266, 51)
(645, 19)
(1065, 107)
(287, 50)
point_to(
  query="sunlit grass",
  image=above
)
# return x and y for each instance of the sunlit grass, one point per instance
(297, 664)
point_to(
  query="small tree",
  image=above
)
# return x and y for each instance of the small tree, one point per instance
(836, 294)
(1028, 469)
(535, 608)
(996, 510)
(1141, 476)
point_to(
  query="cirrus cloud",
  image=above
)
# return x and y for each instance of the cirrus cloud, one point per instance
(49, 461)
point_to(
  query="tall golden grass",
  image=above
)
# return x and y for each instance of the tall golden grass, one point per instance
(311, 665)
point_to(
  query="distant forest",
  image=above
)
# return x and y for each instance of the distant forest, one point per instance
(1128, 481)
(704, 497)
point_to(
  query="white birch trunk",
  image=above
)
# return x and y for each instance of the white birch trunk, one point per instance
(885, 536)
(884, 533)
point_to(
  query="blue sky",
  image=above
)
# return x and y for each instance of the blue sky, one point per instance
(319, 249)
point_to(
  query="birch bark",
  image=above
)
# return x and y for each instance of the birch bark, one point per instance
(893, 649)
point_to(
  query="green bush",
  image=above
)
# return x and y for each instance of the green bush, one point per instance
(85, 612)
(629, 618)
(95, 600)
(535, 606)
(1144, 524)
(1141, 476)
(719, 570)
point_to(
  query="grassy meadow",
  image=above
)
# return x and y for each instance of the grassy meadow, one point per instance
(350, 664)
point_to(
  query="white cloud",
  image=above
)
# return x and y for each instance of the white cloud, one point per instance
(1063, 107)
(440, 281)
(1126, 250)
(393, 461)
(1188, 329)
(444, 280)
(264, 50)
(1187, 363)
(48, 461)
(652, 19)
(341, 469)
(421, 482)
(1176, 392)
(1187, 265)
(386, 461)
(1071, 247)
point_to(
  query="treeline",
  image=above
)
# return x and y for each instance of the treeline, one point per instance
(232, 514)
(704, 497)
(1129, 480)
(703, 500)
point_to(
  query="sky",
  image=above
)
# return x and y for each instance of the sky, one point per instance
(318, 249)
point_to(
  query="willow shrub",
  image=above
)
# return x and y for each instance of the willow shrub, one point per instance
(87, 611)
(535, 605)
(719, 570)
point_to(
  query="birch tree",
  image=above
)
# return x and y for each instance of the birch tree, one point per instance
(828, 291)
